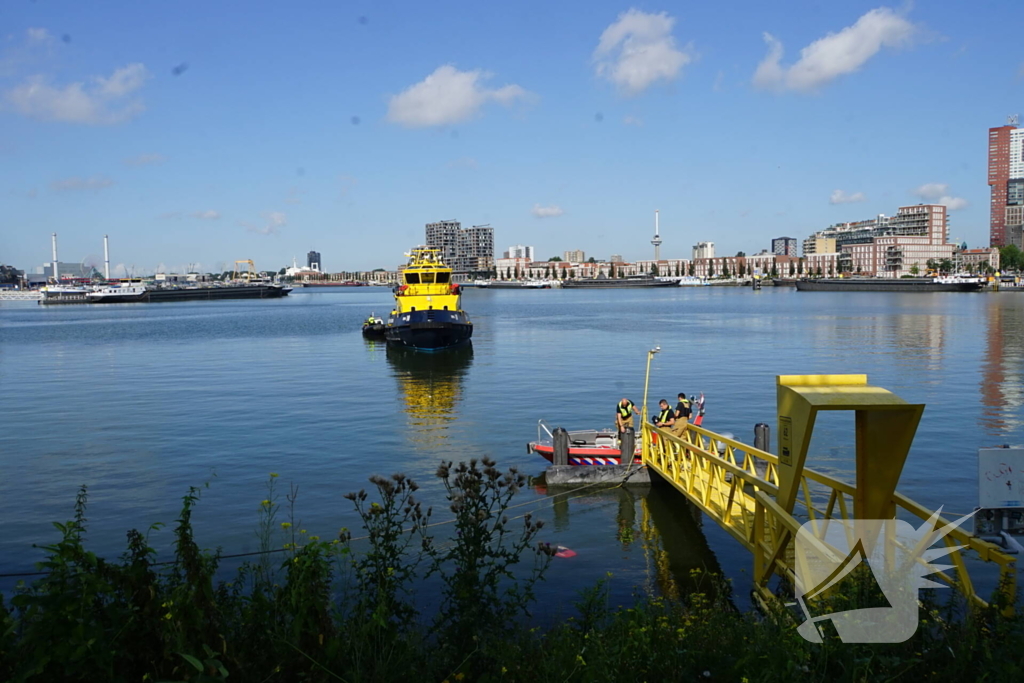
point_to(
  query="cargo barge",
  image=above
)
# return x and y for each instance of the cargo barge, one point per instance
(864, 284)
(616, 283)
(120, 294)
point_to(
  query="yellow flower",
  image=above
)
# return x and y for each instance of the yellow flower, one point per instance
(314, 538)
(459, 676)
(273, 474)
(265, 503)
(286, 525)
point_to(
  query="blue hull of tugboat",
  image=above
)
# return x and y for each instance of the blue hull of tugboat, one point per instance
(429, 330)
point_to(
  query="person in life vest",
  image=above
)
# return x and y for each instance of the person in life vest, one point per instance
(666, 418)
(624, 410)
(683, 412)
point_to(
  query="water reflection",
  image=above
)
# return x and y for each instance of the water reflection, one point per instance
(658, 521)
(430, 385)
(1002, 384)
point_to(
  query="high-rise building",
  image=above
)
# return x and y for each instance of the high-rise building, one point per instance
(520, 251)
(784, 246)
(1006, 180)
(313, 261)
(444, 235)
(464, 251)
(891, 245)
(476, 249)
(574, 256)
(616, 258)
(704, 250)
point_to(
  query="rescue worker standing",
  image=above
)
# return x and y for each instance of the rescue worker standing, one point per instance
(666, 418)
(624, 414)
(683, 413)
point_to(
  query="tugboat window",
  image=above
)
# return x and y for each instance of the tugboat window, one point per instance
(412, 278)
(443, 278)
(427, 278)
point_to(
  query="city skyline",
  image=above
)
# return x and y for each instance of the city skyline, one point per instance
(171, 131)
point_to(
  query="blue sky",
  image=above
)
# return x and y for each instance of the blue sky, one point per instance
(199, 132)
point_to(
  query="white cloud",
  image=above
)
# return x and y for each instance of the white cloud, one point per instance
(546, 211)
(632, 120)
(76, 183)
(932, 190)
(102, 101)
(638, 50)
(953, 203)
(209, 215)
(38, 35)
(938, 193)
(272, 222)
(144, 160)
(836, 54)
(448, 96)
(842, 197)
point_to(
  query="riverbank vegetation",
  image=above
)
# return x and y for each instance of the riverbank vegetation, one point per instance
(317, 610)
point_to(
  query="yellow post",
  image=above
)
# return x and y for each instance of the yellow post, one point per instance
(885, 428)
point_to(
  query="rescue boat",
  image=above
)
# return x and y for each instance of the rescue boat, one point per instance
(595, 446)
(428, 311)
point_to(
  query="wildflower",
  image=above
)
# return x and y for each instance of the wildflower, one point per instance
(459, 676)
(314, 538)
(286, 525)
(265, 503)
(303, 531)
(504, 670)
(274, 475)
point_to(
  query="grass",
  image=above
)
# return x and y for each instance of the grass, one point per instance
(316, 610)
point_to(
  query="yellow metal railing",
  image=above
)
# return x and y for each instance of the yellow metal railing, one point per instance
(736, 485)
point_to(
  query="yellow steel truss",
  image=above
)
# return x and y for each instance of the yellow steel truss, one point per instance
(763, 501)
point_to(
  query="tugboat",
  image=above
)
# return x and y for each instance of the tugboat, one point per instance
(428, 314)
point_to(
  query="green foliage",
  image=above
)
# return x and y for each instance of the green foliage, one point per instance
(320, 611)
(1011, 258)
(481, 595)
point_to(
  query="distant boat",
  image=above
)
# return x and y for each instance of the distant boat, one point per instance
(519, 284)
(615, 283)
(872, 284)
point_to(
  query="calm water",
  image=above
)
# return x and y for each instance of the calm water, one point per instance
(140, 402)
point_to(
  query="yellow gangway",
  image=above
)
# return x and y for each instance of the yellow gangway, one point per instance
(762, 499)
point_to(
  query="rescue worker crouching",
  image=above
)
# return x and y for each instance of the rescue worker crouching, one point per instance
(624, 414)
